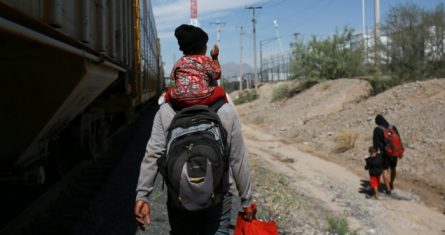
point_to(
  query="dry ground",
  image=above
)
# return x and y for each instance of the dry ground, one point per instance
(317, 119)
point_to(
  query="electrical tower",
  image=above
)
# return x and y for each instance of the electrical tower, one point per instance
(194, 12)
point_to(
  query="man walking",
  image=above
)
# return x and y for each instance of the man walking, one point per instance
(387, 140)
(182, 221)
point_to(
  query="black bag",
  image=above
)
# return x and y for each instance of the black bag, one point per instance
(195, 166)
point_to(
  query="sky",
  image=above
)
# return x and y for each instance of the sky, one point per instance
(306, 18)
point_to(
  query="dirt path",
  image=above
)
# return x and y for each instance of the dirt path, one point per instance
(340, 190)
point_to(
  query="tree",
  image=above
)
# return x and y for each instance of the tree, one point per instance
(331, 58)
(435, 21)
(407, 36)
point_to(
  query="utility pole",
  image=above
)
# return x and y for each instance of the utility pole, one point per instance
(218, 41)
(364, 36)
(275, 24)
(218, 31)
(254, 44)
(377, 30)
(241, 60)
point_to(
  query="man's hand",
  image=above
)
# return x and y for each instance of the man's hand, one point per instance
(249, 212)
(142, 213)
(214, 52)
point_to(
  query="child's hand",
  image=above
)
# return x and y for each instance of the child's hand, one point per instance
(214, 52)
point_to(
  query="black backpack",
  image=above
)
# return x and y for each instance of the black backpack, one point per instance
(195, 165)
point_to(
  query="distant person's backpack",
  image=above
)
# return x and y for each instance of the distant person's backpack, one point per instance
(195, 165)
(393, 143)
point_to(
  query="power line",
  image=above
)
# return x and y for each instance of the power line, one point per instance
(304, 10)
(274, 5)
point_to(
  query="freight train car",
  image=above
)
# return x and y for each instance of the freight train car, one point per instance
(71, 73)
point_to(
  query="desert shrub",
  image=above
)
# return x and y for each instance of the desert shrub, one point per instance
(246, 96)
(345, 140)
(278, 204)
(284, 91)
(258, 120)
(303, 85)
(339, 226)
(381, 83)
(325, 86)
(280, 92)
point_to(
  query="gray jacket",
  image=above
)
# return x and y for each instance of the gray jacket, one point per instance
(156, 145)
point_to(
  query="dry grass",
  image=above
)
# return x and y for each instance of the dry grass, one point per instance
(258, 120)
(278, 199)
(325, 86)
(345, 140)
(283, 158)
(280, 92)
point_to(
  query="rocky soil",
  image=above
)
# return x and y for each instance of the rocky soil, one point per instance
(309, 195)
(315, 120)
(317, 116)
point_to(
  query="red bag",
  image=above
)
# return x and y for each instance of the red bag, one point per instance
(254, 227)
(394, 146)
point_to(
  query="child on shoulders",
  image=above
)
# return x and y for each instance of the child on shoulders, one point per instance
(195, 74)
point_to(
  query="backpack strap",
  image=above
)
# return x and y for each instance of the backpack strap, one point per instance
(173, 107)
(383, 128)
(214, 107)
(217, 105)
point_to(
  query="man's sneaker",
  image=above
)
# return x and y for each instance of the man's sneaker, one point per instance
(388, 192)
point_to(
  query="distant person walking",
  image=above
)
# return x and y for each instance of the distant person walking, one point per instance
(374, 165)
(387, 141)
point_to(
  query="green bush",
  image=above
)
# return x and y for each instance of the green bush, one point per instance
(304, 85)
(380, 81)
(280, 92)
(284, 91)
(246, 96)
(339, 226)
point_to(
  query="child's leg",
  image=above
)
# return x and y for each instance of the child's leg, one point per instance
(376, 192)
(374, 181)
(217, 94)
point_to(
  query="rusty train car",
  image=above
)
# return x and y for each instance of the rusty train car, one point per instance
(71, 73)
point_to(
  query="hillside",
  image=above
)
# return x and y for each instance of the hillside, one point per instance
(315, 118)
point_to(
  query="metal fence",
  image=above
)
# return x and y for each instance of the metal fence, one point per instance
(276, 67)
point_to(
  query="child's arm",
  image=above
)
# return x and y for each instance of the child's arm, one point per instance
(214, 54)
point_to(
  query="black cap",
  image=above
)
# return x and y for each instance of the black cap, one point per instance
(191, 39)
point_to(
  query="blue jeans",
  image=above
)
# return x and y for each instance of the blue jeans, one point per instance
(214, 222)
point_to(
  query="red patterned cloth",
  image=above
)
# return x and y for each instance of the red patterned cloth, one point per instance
(218, 93)
(193, 75)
